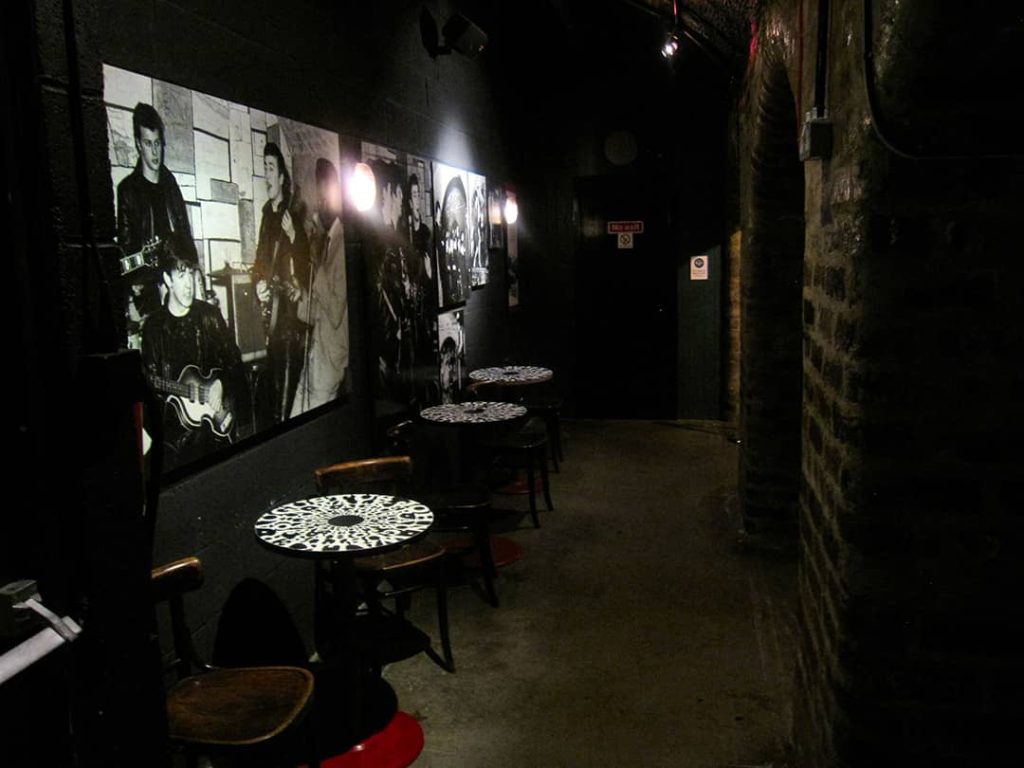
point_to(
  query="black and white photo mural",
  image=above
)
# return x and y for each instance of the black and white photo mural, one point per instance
(512, 259)
(495, 203)
(402, 279)
(478, 231)
(451, 339)
(230, 224)
(451, 208)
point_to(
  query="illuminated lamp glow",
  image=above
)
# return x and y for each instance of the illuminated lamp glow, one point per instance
(494, 211)
(511, 208)
(671, 46)
(363, 187)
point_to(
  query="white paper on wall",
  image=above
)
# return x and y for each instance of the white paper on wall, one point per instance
(213, 161)
(220, 221)
(126, 89)
(211, 115)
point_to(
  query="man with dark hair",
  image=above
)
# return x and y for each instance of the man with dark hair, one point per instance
(192, 360)
(282, 272)
(419, 232)
(150, 209)
(325, 305)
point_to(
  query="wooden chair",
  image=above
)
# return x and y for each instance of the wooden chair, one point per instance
(546, 407)
(527, 449)
(389, 636)
(549, 409)
(464, 508)
(252, 714)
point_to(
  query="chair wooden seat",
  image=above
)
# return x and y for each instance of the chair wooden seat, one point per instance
(238, 707)
(418, 553)
(504, 551)
(232, 710)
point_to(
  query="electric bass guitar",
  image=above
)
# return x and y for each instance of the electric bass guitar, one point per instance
(147, 256)
(192, 395)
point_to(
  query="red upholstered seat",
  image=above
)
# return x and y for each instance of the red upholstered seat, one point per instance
(397, 746)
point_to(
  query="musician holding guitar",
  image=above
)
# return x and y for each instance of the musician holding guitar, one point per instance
(282, 271)
(150, 210)
(192, 360)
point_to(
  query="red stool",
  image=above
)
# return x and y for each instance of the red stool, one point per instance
(397, 746)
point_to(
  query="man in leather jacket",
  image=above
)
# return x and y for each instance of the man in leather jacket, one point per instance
(150, 208)
(192, 360)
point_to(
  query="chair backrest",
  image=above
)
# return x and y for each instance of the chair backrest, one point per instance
(255, 629)
(486, 390)
(385, 474)
(401, 438)
(168, 584)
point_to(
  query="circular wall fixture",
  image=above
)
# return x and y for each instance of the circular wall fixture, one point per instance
(620, 147)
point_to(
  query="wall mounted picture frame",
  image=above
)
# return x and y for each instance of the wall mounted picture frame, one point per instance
(451, 337)
(233, 269)
(495, 217)
(452, 237)
(512, 261)
(402, 278)
(478, 252)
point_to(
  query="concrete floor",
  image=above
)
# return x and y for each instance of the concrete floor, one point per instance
(642, 628)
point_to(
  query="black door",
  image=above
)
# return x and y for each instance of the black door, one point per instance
(625, 302)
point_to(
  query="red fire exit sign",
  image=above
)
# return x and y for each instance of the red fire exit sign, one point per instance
(625, 227)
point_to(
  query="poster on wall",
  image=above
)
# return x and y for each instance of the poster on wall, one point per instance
(478, 236)
(512, 243)
(451, 339)
(402, 277)
(495, 202)
(230, 224)
(452, 242)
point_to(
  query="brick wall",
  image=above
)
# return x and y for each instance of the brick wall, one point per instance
(910, 494)
(770, 284)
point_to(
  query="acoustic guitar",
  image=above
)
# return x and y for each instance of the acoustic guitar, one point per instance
(191, 396)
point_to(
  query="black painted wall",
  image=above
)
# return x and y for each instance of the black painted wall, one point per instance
(359, 69)
(525, 113)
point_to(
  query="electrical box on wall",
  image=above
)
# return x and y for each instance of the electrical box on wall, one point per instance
(815, 138)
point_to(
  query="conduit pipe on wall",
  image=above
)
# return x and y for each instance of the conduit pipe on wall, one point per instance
(878, 119)
(821, 60)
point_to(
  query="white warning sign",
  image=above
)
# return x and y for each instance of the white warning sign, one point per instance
(698, 267)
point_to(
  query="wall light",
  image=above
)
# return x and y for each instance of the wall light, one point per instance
(668, 50)
(494, 209)
(363, 187)
(511, 208)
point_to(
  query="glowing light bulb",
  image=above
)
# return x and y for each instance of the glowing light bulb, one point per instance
(363, 187)
(671, 46)
(511, 209)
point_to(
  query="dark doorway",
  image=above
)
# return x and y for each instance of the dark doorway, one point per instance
(625, 302)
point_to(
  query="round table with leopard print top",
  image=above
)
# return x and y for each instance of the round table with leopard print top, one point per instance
(334, 530)
(473, 412)
(349, 524)
(512, 374)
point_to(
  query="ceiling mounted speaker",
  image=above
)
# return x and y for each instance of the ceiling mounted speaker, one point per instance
(462, 35)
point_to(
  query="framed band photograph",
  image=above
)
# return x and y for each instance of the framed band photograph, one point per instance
(229, 221)
(495, 217)
(452, 239)
(402, 279)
